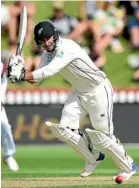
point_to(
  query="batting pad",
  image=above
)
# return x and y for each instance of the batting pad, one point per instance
(73, 139)
(105, 144)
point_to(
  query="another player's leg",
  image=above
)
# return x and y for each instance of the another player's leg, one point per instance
(8, 142)
(102, 137)
(68, 132)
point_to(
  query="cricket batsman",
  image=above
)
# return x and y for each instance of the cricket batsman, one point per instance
(6, 132)
(91, 93)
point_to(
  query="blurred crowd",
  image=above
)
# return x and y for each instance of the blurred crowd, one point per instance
(101, 24)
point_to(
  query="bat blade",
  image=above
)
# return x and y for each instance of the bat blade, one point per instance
(22, 30)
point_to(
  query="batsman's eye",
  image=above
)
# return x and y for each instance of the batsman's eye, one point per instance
(41, 42)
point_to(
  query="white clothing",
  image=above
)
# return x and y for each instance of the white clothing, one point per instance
(98, 104)
(73, 64)
(6, 135)
(3, 86)
(91, 92)
(6, 132)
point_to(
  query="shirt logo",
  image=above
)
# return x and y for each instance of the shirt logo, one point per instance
(61, 54)
(49, 58)
(40, 30)
(102, 115)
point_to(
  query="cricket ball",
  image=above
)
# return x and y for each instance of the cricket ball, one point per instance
(119, 179)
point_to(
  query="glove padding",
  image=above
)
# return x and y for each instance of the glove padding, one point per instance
(16, 69)
(14, 60)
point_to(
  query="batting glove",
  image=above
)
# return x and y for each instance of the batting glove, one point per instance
(14, 60)
(16, 69)
(16, 73)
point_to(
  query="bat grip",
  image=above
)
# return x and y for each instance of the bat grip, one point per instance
(18, 50)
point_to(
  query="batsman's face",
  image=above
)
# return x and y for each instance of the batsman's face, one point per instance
(47, 44)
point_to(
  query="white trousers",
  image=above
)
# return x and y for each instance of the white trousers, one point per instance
(98, 104)
(6, 135)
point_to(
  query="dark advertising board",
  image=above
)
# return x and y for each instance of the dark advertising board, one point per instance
(28, 122)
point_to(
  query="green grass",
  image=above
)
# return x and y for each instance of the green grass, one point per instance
(116, 66)
(59, 161)
(49, 159)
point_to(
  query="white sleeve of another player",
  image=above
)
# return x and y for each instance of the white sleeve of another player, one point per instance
(61, 60)
(3, 87)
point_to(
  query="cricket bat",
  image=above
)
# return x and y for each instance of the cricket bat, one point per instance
(22, 30)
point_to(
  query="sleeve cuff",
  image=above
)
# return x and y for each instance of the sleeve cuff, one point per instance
(38, 75)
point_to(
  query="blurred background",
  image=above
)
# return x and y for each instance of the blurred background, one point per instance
(107, 30)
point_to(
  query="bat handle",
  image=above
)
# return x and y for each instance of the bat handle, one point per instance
(18, 50)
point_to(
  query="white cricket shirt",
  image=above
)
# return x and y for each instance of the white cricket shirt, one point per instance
(72, 62)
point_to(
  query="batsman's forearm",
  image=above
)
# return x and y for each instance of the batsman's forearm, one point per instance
(29, 77)
(33, 77)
